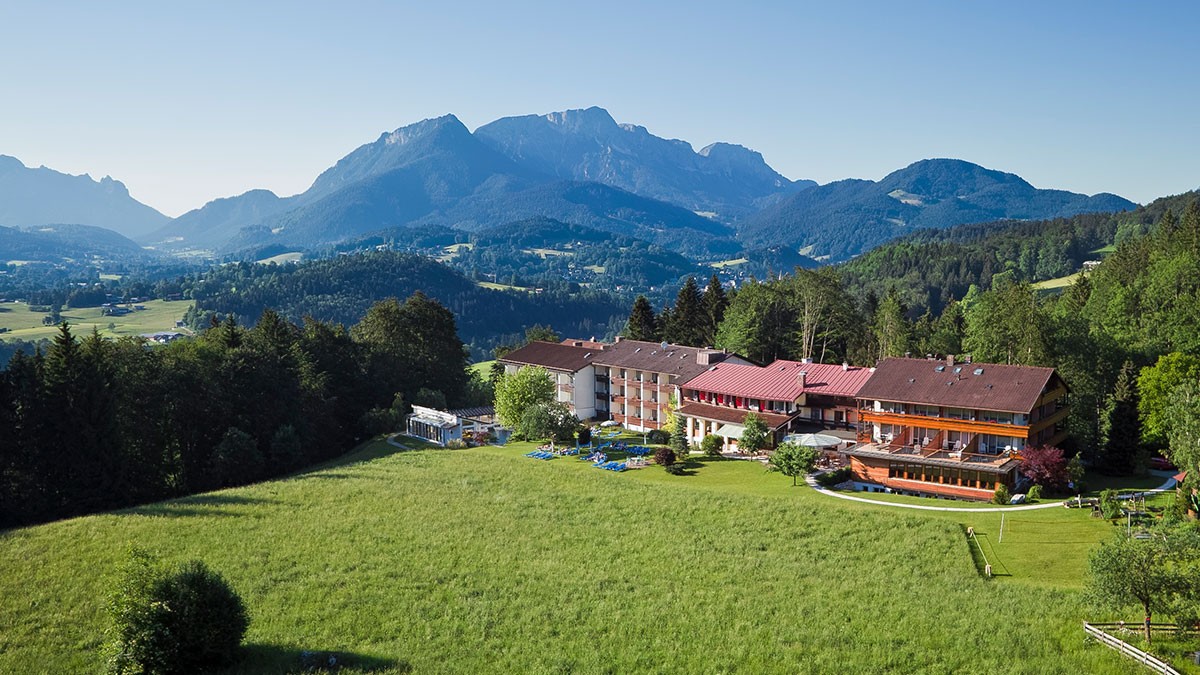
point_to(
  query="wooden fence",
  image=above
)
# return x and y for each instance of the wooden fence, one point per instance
(1150, 661)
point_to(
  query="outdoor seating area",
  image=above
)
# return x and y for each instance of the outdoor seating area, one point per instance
(547, 452)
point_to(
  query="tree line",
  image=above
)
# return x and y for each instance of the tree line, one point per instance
(93, 424)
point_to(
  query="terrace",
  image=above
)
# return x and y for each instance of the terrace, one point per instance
(932, 455)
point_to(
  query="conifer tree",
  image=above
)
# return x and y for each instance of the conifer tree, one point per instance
(715, 304)
(641, 325)
(1121, 426)
(689, 321)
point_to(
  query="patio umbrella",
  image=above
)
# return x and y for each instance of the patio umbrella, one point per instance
(814, 440)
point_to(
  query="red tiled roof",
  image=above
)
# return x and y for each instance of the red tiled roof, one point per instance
(996, 386)
(552, 356)
(780, 381)
(719, 413)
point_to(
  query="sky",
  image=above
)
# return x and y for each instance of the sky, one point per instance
(185, 102)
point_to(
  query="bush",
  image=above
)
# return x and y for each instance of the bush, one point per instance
(585, 436)
(1034, 493)
(711, 445)
(658, 437)
(664, 456)
(173, 620)
(1110, 506)
(675, 469)
(831, 478)
(456, 444)
(1001, 496)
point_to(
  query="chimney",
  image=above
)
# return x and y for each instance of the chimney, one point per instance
(618, 339)
(950, 359)
(845, 366)
(803, 379)
(704, 358)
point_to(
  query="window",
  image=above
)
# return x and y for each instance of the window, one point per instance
(926, 410)
(622, 373)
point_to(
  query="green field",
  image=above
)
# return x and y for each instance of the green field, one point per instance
(487, 561)
(159, 315)
(293, 257)
(483, 367)
(1057, 284)
(734, 262)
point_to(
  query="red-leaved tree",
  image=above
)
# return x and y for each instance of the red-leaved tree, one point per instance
(1045, 466)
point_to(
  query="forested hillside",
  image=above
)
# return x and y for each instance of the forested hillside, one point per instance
(929, 268)
(340, 289)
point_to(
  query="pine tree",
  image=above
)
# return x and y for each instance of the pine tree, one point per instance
(641, 325)
(715, 304)
(1189, 228)
(1120, 450)
(689, 321)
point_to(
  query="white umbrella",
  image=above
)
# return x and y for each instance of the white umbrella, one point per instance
(813, 440)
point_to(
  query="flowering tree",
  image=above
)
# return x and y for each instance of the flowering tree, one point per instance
(1045, 466)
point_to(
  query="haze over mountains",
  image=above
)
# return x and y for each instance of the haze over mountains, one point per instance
(578, 166)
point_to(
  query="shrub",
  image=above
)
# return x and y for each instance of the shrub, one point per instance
(1110, 506)
(585, 436)
(831, 478)
(664, 456)
(1034, 493)
(675, 469)
(658, 437)
(173, 620)
(711, 445)
(1001, 496)
(456, 444)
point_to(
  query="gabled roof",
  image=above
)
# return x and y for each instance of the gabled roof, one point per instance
(677, 361)
(982, 386)
(551, 356)
(780, 381)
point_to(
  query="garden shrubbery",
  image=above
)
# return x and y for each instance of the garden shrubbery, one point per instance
(180, 619)
(1001, 495)
(831, 478)
(658, 437)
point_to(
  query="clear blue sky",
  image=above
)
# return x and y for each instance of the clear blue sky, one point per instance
(185, 102)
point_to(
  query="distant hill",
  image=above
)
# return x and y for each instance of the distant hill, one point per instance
(588, 145)
(845, 218)
(217, 222)
(341, 288)
(44, 197)
(53, 243)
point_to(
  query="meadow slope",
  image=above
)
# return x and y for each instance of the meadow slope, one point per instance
(486, 561)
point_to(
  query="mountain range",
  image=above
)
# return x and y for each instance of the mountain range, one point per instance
(41, 196)
(579, 167)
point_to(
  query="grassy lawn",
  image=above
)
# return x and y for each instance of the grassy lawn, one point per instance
(159, 315)
(487, 561)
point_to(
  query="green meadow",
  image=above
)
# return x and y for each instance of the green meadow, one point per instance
(485, 560)
(159, 315)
